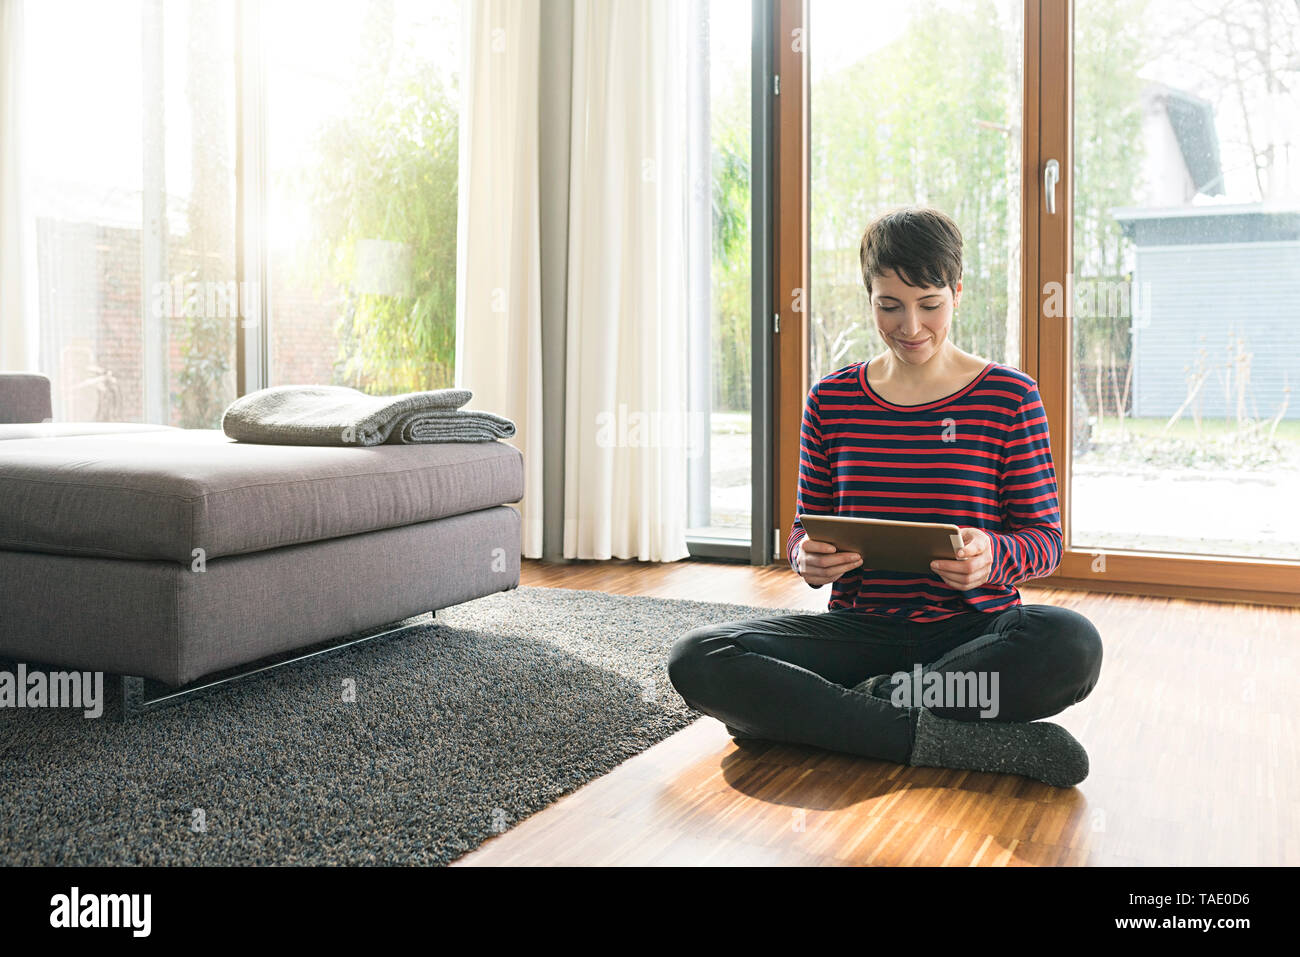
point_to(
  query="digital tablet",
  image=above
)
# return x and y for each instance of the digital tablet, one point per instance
(895, 546)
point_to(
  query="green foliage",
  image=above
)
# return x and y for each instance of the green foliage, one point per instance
(731, 265)
(931, 118)
(387, 170)
(934, 117)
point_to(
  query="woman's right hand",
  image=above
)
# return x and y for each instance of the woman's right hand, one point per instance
(820, 563)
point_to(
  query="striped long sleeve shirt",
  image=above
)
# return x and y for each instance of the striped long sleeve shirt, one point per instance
(980, 457)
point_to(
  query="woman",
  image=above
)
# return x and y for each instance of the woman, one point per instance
(922, 432)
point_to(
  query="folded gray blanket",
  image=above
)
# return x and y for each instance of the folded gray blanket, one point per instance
(337, 415)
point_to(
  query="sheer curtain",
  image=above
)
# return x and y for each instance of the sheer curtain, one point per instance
(625, 458)
(623, 373)
(498, 299)
(15, 353)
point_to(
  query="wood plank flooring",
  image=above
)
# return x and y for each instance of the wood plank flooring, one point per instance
(1193, 735)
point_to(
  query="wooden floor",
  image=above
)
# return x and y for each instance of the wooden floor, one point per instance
(1193, 735)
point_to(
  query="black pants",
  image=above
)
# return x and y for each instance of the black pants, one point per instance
(788, 677)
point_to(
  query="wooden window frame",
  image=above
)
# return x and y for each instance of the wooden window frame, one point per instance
(792, 270)
(1045, 341)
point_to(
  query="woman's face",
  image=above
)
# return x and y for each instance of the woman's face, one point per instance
(914, 321)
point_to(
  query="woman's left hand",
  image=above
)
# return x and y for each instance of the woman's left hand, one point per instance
(974, 563)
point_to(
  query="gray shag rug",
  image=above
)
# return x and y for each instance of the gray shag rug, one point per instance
(459, 730)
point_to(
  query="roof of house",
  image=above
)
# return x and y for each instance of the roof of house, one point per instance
(1192, 119)
(1211, 223)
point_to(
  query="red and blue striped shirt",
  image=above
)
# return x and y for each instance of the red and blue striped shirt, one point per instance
(980, 457)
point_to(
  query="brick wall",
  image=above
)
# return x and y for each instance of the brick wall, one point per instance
(92, 305)
(303, 342)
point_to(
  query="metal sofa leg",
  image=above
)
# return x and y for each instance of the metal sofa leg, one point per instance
(137, 698)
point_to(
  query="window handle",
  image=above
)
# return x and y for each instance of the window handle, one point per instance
(1051, 176)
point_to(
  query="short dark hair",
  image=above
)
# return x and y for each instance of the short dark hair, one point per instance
(919, 243)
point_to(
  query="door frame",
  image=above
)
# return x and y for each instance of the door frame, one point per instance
(1047, 353)
(1047, 240)
(792, 267)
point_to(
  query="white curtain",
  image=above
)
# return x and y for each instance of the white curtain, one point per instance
(625, 401)
(14, 345)
(498, 298)
(625, 444)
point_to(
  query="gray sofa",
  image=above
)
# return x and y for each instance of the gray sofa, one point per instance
(175, 555)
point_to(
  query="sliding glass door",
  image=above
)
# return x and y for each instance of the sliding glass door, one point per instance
(721, 382)
(130, 209)
(141, 157)
(1186, 278)
(1127, 178)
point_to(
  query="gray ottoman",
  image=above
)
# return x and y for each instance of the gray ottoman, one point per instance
(178, 554)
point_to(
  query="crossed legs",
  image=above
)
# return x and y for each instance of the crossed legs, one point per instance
(792, 677)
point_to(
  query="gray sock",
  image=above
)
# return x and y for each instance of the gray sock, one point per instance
(1036, 749)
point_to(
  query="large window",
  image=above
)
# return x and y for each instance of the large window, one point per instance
(720, 467)
(141, 157)
(1186, 283)
(131, 207)
(361, 152)
(915, 102)
(1133, 243)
